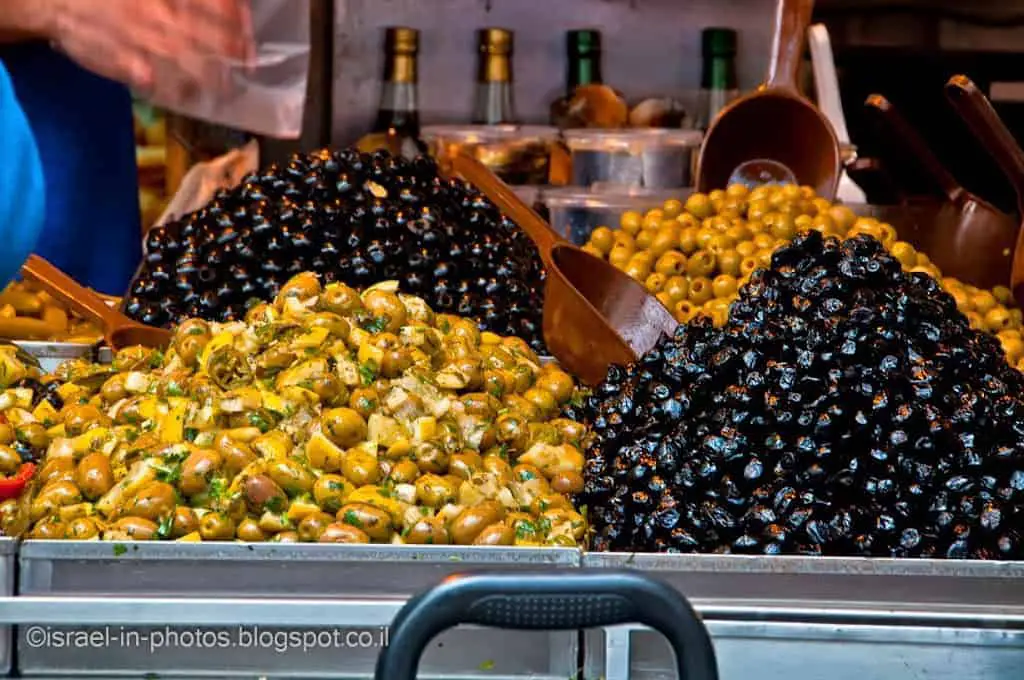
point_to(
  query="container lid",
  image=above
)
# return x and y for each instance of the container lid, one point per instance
(610, 198)
(489, 134)
(495, 40)
(635, 141)
(718, 42)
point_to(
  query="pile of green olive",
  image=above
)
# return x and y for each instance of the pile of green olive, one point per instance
(694, 255)
(327, 416)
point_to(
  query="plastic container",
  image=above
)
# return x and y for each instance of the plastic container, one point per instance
(517, 154)
(647, 158)
(574, 212)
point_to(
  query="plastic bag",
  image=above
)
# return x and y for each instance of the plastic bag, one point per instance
(204, 180)
(265, 98)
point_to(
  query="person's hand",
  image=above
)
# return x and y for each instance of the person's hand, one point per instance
(132, 41)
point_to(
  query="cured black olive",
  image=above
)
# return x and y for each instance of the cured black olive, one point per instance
(846, 408)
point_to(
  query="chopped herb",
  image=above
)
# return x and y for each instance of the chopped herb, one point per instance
(444, 326)
(487, 665)
(526, 475)
(119, 549)
(174, 390)
(257, 420)
(365, 404)
(175, 456)
(163, 530)
(525, 529)
(83, 400)
(131, 435)
(156, 359)
(376, 324)
(352, 519)
(579, 398)
(148, 426)
(503, 451)
(307, 385)
(168, 473)
(424, 510)
(190, 434)
(276, 504)
(218, 487)
(252, 302)
(368, 372)
(196, 330)
(495, 390)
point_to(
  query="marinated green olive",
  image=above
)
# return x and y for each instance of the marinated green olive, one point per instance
(134, 529)
(360, 467)
(82, 529)
(496, 534)
(184, 522)
(430, 531)
(10, 461)
(433, 491)
(94, 476)
(291, 476)
(197, 470)
(344, 426)
(471, 522)
(313, 526)
(372, 521)
(154, 501)
(343, 533)
(216, 526)
(331, 491)
(249, 531)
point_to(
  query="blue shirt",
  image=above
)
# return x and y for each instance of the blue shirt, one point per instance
(22, 198)
(83, 128)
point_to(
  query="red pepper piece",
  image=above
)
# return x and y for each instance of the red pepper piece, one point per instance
(11, 487)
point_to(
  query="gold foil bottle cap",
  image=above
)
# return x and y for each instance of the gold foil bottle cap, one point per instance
(495, 41)
(402, 40)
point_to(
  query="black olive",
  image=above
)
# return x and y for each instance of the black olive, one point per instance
(846, 408)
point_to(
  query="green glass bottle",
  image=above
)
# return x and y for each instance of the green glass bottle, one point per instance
(718, 85)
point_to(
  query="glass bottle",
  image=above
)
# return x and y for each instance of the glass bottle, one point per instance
(587, 101)
(494, 103)
(718, 86)
(397, 126)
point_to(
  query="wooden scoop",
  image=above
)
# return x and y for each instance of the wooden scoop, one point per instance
(776, 123)
(594, 314)
(119, 330)
(969, 239)
(983, 121)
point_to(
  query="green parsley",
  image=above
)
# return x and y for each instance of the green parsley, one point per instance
(368, 372)
(190, 434)
(352, 519)
(120, 549)
(163, 530)
(257, 420)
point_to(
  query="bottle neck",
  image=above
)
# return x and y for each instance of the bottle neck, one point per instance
(494, 103)
(719, 73)
(583, 70)
(399, 99)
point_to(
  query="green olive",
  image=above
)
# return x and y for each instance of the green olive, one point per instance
(568, 482)
(135, 528)
(343, 533)
(430, 457)
(372, 521)
(51, 528)
(94, 475)
(496, 534)
(427, 531)
(700, 290)
(404, 471)
(360, 467)
(671, 263)
(190, 339)
(724, 286)
(249, 531)
(302, 286)
(57, 470)
(263, 493)
(435, 491)
(216, 526)
(184, 522)
(53, 496)
(286, 537)
(10, 461)
(387, 308)
(235, 455)
(344, 426)
(364, 401)
(558, 383)
(313, 526)
(80, 417)
(197, 470)
(291, 476)
(6, 434)
(154, 501)
(685, 311)
(32, 434)
(471, 522)
(331, 491)
(701, 264)
(82, 529)
(340, 299)
(699, 205)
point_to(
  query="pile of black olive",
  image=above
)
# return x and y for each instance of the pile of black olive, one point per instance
(846, 408)
(351, 217)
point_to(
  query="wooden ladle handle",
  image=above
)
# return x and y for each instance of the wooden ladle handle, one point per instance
(902, 132)
(983, 121)
(792, 18)
(73, 294)
(477, 174)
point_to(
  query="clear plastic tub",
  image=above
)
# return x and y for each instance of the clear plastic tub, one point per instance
(517, 154)
(647, 158)
(574, 212)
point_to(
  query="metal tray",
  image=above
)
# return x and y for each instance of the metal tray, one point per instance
(53, 354)
(8, 550)
(788, 618)
(239, 591)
